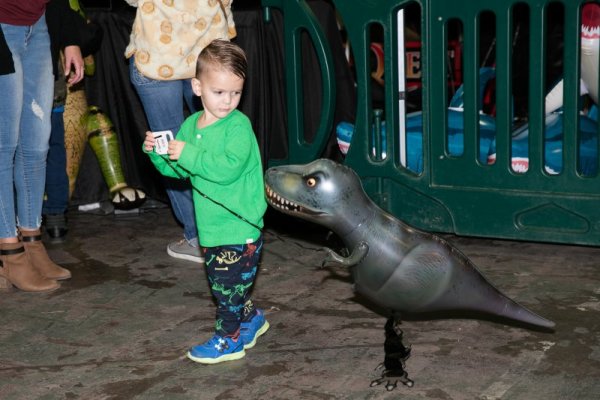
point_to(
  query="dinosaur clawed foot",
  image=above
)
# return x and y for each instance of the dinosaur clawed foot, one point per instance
(391, 384)
(396, 354)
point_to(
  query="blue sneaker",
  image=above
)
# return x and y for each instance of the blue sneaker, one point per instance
(251, 330)
(217, 349)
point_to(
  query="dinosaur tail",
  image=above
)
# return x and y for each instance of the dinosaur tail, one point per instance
(473, 292)
(488, 299)
(513, 310)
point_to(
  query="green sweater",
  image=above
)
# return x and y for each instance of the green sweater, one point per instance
(222, 161)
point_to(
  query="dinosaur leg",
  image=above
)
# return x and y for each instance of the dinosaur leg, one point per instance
(396, 354)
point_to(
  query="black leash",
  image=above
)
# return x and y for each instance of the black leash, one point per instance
(209, 198)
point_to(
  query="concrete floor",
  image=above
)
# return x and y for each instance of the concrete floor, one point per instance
(120, 327)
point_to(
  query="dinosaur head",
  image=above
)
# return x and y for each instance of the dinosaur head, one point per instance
(322, 191)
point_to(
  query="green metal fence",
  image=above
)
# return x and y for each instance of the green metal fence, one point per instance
(457, 192)
(299, 20)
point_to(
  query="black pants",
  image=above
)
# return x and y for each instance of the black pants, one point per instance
(231, 272)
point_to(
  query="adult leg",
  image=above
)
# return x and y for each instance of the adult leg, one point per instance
(11, 104)
(163, 106)
(25, 130)
(32, 149)
(57, 182)
(35, 126)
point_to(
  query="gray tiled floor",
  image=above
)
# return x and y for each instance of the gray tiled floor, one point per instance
(120, 327)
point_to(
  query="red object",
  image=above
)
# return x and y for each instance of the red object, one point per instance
(413, 64)
(590, 21)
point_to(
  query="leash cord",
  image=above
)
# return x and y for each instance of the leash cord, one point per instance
(169, 162)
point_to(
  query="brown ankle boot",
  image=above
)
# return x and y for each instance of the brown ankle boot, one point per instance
(35, 250)
(17, 270)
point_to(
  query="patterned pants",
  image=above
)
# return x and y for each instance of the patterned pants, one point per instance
(231, 272)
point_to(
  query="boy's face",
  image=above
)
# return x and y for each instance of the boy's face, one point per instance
(220, 91)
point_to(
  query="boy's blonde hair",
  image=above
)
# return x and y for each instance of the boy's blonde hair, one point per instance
(222, 54)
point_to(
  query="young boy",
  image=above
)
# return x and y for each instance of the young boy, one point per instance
(216, 148)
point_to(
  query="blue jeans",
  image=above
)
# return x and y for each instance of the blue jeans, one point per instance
(25, 107)
(57, 181)
(163, 105)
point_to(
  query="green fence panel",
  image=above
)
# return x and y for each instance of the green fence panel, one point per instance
(459, 193)
(299, 21)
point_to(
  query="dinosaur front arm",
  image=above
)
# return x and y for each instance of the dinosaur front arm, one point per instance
(358, 254)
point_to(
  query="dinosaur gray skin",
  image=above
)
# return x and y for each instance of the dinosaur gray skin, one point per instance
(393, 264)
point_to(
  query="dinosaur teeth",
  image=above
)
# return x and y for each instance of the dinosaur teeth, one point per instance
(279, 202)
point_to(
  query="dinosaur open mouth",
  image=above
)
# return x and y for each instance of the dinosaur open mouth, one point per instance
(279, 202)
(284, 204)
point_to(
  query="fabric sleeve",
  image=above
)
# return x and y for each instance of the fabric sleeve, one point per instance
(167, 167)
(63, 24)
(222, 168)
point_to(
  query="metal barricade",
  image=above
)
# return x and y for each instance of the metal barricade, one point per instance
(468, 191)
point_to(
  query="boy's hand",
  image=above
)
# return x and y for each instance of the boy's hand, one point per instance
(175, 149)
(149, 141)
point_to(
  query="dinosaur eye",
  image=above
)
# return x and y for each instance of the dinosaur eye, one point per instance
(311, 182)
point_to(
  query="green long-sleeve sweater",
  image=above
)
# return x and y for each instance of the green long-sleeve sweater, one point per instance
(222, 161)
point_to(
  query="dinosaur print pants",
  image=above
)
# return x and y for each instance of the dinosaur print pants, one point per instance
(231, 271)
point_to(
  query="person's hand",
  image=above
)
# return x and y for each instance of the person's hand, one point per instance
(149, 141)
(73, 64)
(175, 149)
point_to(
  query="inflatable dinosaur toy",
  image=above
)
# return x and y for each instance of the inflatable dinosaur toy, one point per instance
(394, 265)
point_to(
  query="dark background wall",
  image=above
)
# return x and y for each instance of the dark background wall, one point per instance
(264, 94)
